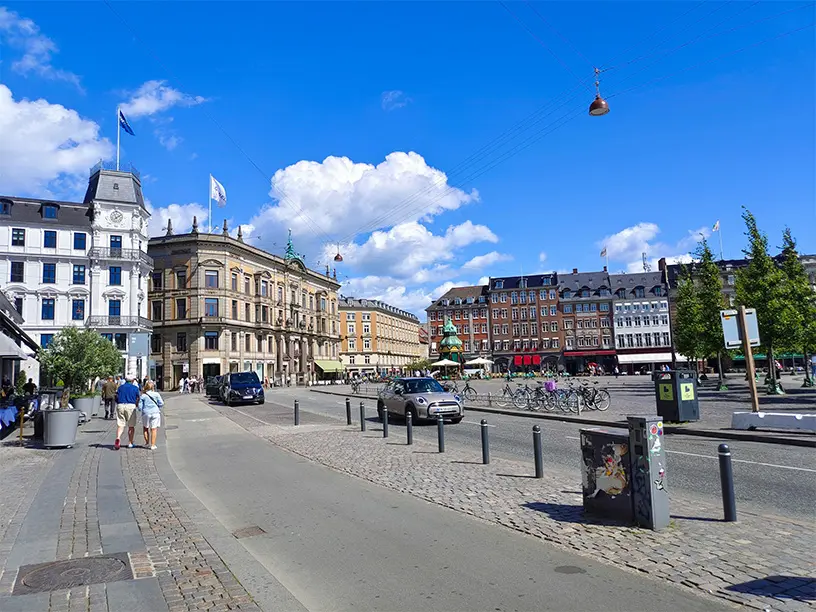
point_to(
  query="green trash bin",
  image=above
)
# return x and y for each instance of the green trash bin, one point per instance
(676, 396)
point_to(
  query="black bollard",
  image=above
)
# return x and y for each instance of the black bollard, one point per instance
(385, 423)
(348, 411)
(297, 412)
(727, 483)
(485, 443)
(409, 427)
(539, 460)
(440, 431)
(362, 416)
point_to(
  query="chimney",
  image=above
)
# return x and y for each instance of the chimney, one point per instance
(661, 263)
(575, 270)
(605, 270)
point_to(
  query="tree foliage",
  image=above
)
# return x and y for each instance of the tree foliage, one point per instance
(801, 298)
(688, 329)
(712, 301)
(77, 356)
(420, 365)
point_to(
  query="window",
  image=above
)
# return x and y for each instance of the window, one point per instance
(234, 341)
(80, 241)
(350, 327)
(604, 307)
(115, 275)
(352, 344)
(157, 278)
(181, 342)
(211, 279)
(47, 313)
(5, 207)
(155, 343)
(604, 322)
(50, 239)
(49, 273)
(555, 343)
(515, 313)
(628, 321)
(648, 339)
(211, 341)
(630, 341)
(532, 312)
(664, 319)
(533, 329)
(366, 328)
(505, 329)
(248, 342)
(503, 298)
(116, 246)
(156, 310)
(18, 305)
(567, 308)
(658, 291)
(639, 340)
(120, 340)
(264, 288)
(494, 298)
(604, 292)
(17, 237)
(79, 275)
(45, 340)
(78, 310)
(366, 344)
(499, 284)
(181, 308)
(458, 314)
(515, 329)
(640, 292)
(553, 311)
(211, 307)
(637, 321)
(495, 329)
(503, 313)
(514, 297)
(49, 211)
(246, 312)
(656, 337)
(524, 328)
(495, 313)
(484, 328)
(114, 308)
(666, 339)
(664, 305)
(646, 321)
(17, 272)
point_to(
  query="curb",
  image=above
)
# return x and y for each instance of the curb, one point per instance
(668, 429)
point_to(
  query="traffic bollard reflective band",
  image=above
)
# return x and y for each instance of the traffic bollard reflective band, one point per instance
(440, 432)
(385, 423)
(485, 443)
(727, 483)
(362, 417)
(348, 411)
(409, 427)
(539, 460)
(297, 412)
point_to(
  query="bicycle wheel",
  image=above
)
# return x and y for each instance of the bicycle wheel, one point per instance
(504, 399)
(602, 400)
(469, 394)
(520, 400)
(570, 401)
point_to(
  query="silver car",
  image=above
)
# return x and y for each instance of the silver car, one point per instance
(423, 397)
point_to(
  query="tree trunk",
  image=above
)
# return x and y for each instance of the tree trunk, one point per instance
(774, 386)
(808, 382)
(719, 368)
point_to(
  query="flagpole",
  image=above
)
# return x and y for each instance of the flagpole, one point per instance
(209, 207)
(118, 131)
(719, 231)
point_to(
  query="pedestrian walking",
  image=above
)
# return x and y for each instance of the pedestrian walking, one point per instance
(617, 371)
(127, 397)
(109, 397)
(150, 405)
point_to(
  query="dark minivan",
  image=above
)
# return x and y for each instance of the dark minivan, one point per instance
(243, 388)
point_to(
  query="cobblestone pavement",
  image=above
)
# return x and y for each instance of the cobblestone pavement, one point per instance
(170, 549)
(765, 565)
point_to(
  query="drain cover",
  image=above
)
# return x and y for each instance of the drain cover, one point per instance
(248, 532)
(72, 573)
(171, 427)
(569, 569)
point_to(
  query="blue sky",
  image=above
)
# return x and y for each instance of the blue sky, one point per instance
(373, 120)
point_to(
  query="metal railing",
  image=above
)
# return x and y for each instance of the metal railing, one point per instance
(111, 165)
(117, 321)
(127, 254)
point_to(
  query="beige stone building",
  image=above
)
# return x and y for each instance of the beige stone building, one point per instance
(377, 336)
(220, 305)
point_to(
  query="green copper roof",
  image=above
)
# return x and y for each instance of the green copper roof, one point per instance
(449, 340)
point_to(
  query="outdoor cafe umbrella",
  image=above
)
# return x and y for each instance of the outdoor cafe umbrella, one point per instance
(444, 363)
(479, 361)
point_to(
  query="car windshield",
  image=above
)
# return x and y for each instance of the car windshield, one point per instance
(423, 385)
(244, 378)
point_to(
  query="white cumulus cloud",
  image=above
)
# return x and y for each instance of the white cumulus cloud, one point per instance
(36, 50)
(542, 257)
(155, 97)
(628, 246)
(488, 259)
(181, 216)
(46, 149)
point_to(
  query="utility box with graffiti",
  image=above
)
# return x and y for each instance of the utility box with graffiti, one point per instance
(676, 396)
(606, 473)
(650, 497)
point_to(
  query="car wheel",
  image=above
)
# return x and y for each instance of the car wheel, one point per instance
(457, 420)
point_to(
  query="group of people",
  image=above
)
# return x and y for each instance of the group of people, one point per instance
(127, 401)
(191, 384)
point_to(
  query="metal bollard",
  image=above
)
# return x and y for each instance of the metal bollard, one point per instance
(727, 483)
(539, 460)
(362, 417)
(297, 412)
(385, 423)
(440, 432)
(409, 427)
(348, 411)
(485, 443)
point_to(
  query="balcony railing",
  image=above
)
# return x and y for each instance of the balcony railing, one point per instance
(114, 321)
(126, 254)
(111, 165)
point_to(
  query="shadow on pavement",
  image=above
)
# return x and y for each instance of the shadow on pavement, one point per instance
(570, 513)
(780, 587)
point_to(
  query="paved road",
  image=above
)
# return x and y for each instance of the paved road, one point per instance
(339, 543)
(770, 479)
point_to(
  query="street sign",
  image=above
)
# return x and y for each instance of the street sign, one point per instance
(731, 328)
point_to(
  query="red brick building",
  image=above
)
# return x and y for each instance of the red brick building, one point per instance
(467, 308)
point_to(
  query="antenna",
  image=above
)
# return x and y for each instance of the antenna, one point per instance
(646, 266)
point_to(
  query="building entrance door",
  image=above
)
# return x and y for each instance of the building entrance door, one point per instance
(160, 376)
(212, 369)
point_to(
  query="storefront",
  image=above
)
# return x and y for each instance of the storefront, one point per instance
(582, 362)
(642, 363)
(328, 370)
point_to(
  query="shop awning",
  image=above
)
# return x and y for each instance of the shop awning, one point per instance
(329, 366)
(587, 353)
(9, 350)
(645, 358)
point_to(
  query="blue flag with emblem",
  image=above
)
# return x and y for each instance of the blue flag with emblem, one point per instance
(124, 123)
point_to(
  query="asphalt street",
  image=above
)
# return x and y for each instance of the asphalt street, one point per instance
(770, 479)
(336, 542)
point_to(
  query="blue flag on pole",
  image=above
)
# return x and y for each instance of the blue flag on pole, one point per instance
(124, 123)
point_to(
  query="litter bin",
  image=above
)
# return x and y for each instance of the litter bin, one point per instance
(676, 396)
(60, 427)
(606, 473)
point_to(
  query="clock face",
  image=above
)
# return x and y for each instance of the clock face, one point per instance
(116, 216)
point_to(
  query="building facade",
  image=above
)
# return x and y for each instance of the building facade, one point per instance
(641, 321)
(83, 264)
(525, 323)
(586, 310)
(377, 338)
(468, 309)
(219, 305)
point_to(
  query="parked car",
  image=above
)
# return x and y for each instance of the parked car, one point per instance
(242, 388)
(423, 397)
(213, 386)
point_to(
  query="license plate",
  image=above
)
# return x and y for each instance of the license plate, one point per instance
(247, 397)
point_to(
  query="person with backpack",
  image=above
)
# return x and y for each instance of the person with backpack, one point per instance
(150, 405)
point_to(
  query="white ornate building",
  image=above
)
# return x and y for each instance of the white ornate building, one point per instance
(84, 264)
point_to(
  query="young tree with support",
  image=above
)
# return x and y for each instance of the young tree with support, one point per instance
(802, 303)
(710, 295)
(688, 327)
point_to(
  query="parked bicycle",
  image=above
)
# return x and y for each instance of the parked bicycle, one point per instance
(589, 396)
(467, 392)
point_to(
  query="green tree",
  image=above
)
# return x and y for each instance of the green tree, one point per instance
(761, 285)
(688, 326)
(712, 301)
(802, 303)
(77, 356)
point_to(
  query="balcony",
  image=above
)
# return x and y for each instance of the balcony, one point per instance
(121, 254)
(97, 322)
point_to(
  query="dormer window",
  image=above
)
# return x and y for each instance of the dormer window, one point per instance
(658, 290)
(499, 284)
(49, 211)
(5, 207)
(567, 294)
(584, 292)
(523, 283)
(640, 292)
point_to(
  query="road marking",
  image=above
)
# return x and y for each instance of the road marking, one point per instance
(246, 415)
(479, 424)
(773, 465)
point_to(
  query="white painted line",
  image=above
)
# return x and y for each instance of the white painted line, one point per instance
(246, 415)
(479, 424)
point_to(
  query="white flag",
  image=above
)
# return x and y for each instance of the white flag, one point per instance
(217, 192)
(716, 227)
(603, 252)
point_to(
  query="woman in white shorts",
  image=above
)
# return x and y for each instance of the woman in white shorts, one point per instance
(150, 405)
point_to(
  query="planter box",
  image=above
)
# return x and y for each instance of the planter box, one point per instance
(96, 405)
(60, 427)
(84, 404)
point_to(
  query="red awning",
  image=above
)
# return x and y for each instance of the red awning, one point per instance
(536, 359)
(527, 360)
(587, 353)
(517, 360)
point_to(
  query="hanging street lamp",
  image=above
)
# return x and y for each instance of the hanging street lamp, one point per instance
(599, 106)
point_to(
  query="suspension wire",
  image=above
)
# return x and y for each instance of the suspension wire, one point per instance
(557, 33)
